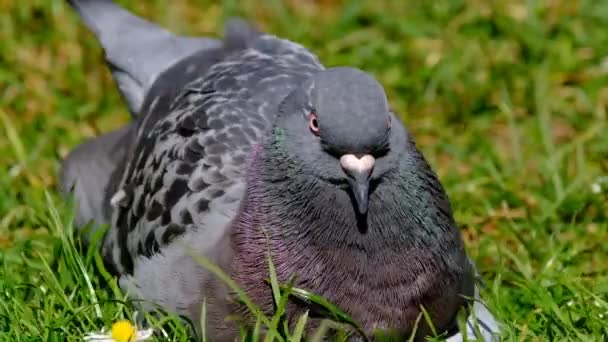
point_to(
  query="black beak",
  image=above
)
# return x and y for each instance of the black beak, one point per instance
(359, 185)
(359, 170)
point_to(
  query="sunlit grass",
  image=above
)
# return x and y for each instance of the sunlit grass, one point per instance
(507, 99)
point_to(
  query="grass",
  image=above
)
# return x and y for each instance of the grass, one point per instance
(507, 99)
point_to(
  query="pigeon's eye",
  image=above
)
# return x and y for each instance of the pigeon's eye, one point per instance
(313, 124)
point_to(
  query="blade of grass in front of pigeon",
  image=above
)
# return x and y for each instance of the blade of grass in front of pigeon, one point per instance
(298, 331)
(330, 309)
(279, 315)
(274, 281)
(55, 284)
(170, 325)
(475, 324)
(321, 331)
(242, 296)
(328, 326)
(69, 250)
(93, 255)
(413, 334)
(281, 297)
(462, 324)
(256, 329)
(49, 275)
(203, 320)
(279, 302)
(110, 280)
(428, 320)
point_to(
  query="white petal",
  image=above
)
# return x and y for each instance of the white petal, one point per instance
(144, 334)
(98, 337)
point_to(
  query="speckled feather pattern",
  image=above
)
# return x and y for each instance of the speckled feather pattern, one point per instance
(195, 154)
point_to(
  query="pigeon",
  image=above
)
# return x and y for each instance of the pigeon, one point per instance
(246, 147)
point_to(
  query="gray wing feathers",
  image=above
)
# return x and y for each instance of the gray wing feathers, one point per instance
(88, 172)
(136, 50)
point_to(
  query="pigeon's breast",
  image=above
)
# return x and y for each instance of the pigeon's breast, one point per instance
(189, 164)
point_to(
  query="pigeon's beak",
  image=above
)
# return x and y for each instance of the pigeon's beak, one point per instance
(359, 170)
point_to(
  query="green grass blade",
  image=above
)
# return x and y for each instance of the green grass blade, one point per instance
(203, 320)
(251, 306)
(428, 319)
(298, 332)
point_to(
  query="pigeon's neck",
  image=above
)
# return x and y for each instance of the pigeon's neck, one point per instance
(407, 208)
(411, 252)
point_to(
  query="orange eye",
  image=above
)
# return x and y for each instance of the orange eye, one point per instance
(313, 124)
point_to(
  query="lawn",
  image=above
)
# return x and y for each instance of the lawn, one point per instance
(507, 99)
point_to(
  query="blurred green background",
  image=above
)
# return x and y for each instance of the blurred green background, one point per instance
(507, 100)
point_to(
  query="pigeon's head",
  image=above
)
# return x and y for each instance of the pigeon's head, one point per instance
(337, 125)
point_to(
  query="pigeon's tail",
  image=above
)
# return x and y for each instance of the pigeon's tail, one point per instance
(136, 49)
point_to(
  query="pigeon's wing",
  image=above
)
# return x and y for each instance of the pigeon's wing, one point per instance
(184, 179)
(87, 172)
(145, 61)
(137, 50)
(186, 172)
